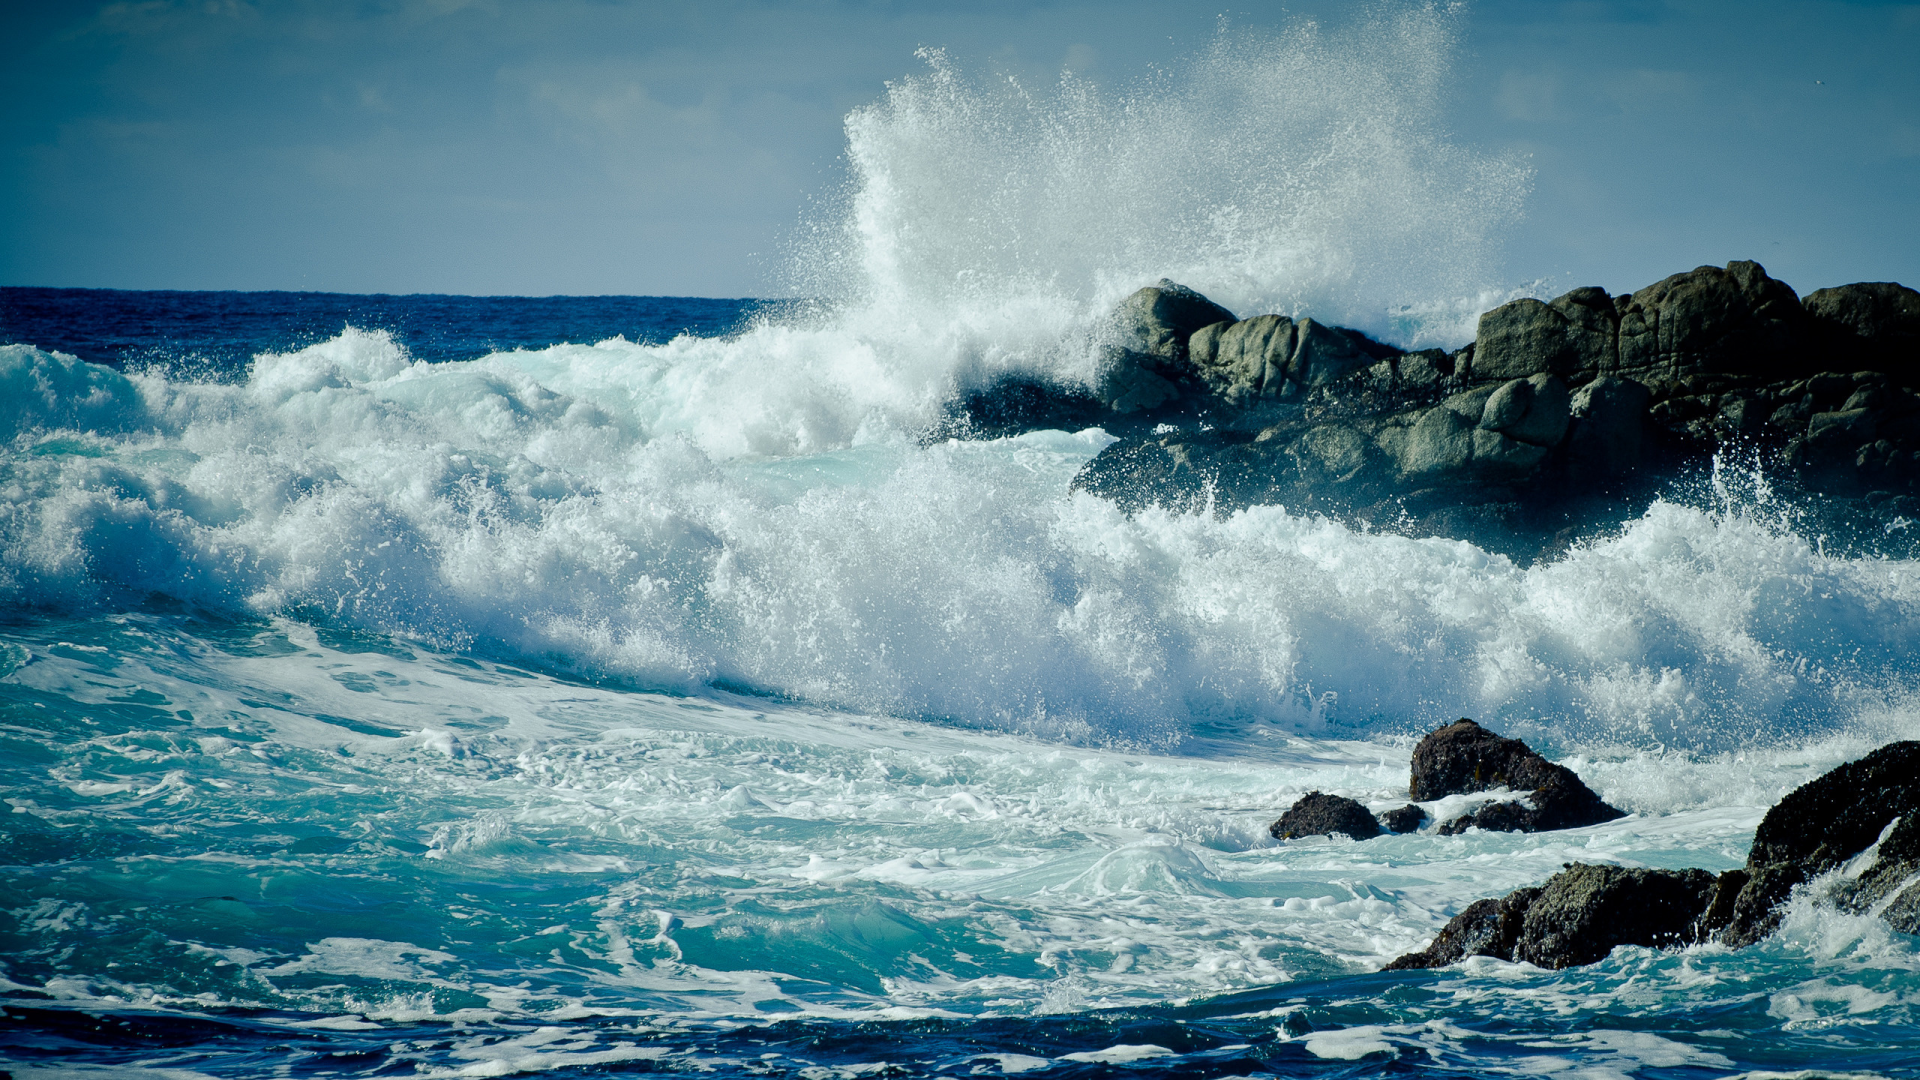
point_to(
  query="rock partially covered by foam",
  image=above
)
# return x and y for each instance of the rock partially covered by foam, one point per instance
(1145, 360)
(1578, 917)
(1826, 823)
(1863, 816)
(1464, 758)
(1319, 814)
(1406, 819)
(1562, 417)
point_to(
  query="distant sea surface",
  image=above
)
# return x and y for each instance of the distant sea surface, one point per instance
(218, 333)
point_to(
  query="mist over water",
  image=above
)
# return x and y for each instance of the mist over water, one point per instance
(1305, 171)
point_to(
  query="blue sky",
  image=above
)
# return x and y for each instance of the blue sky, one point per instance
(593, 146)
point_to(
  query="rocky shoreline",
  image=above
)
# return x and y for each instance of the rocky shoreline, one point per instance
(1861, 819)
(1561, 415)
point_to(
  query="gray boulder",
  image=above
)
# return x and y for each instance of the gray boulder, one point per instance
(1319, 814)
(1874, 322)
(1565, 336)
(1712, 320)
(1245, 363)
(1734, 321)
(1533, 410)
(1503, 432)
(1158, 320)
(1272, 358)
(1145, 355)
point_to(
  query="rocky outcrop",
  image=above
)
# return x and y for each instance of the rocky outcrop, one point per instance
(1578, 917)
(1861, 820)
(1561, 417)
(1878, 321)
(1318, 814)
(1145, 362)
(1463, 758)
(1825, 824)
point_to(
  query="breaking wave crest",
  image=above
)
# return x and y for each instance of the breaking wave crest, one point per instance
(479, 505)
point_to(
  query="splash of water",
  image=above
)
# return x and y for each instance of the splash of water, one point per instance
(1304, 171)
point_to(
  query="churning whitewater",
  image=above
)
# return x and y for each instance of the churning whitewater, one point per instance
(682, 703)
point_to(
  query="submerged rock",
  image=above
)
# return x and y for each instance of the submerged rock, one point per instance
(1318, 814)
(1463, 758)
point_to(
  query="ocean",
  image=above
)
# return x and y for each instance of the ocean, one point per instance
(460, 686)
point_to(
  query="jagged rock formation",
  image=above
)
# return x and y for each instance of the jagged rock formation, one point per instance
(1862, 818)
(1464, 757)
(1319, 814)
(1560, 415)
(1579, 916)
(1824, 824)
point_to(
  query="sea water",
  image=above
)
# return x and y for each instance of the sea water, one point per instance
(473, 687)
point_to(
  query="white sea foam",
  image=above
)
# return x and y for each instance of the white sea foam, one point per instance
(473, 504)
(1303, 172)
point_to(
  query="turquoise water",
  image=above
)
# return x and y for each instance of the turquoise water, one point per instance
(254, 842)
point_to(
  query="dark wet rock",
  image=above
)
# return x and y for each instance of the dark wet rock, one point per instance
(1578, 917)
(1876, 321)
(1404, 820)
(1585, 912)
(1823, 824)
(1463, 758)
(1486, 928)
(1319, 814)
(1718, 911)
(1609, 431)
(1015, 405)
(1863, 816)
